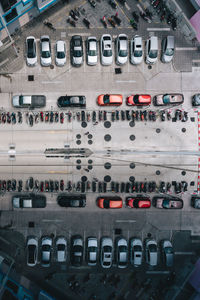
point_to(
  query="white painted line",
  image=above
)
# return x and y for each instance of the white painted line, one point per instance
(158, 29)
(196, 60)
(125, 221)
(184, 253)
(157, 272)
(52, 220)
(186, 48)
(51, 82)
(128, 7)
(5, 241)
(122, 81)
(82, 34)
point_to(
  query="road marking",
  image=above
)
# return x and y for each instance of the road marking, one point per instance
(52, 220)
(125, 221)
(158, 29)
(122, 81)
(128, 7)
(196, 60)
(184, 253)
(186, 48)
(157, 272)
(5, 241)
(82, 34)
(51, 81)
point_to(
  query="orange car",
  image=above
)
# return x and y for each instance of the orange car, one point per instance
(138, 100)
(115, 100)
(109, 202)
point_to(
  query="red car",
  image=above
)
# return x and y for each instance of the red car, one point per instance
(107, 100)
(138, 202)
(109, 202)
(138, 100)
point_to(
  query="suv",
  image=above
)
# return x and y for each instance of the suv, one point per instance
(45, 51)
(106, 252)
(31, 53)
(136, 50)
(152, 50)
(151, 252)
(70, 200)
(122, 253)
(76, 49)
(167, 49)
(106, 50)
(121, 49)
(71, 101)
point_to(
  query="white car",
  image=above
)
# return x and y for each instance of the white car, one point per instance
(61, 248)
(167, 253)
(45, 51)
(60, 53)
(46, 251)
(92, 251)
(136, 50)
(106, 50)
(136, 252)
(91, 51)
(151, 252)
(32, 251)
(122, 253)
(152, 50)
(31, 52)
(121, 49)
(106, 252)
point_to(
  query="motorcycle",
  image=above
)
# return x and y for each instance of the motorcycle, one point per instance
(8, 118)
(62, 185)
(82, 116)
(116, 19)
(162, 115)
(56, 117)
(112, 22)
(104, 187)
(20, 185)
(122, 187)
(134, 24)
(36, 118)
(78, 115)
(162, 187)
(82, 187)
(184, 186)
(9, 185)
(41, 116)
(117, 115)
(169, 116)
(100, 115)
(145, 115)
(31, 120)
(56, 186)
(128, 116)
(174, 24)
(19, 116)
(30, 183)
(88, 117)
(13, 117)
(42, 186)
(73, 15)
(37, 185)
(113, 116)
(104, 115)
(137, 115)
(133, 115)
(185, 116)
(49, 25)
(122, 115)
(94, 116)
(46, 186)
(103, 20)
(61, 117)
(69, 116)
(94, 186)
(47, 117)
(141, 116)
(135, 16)
(51, 186)
(51, 116)
(69, 186)
(71, 21)
(13, 185)
(168, 187)
(113, 4)
(3, 117)
(145, 17)
(86, 22)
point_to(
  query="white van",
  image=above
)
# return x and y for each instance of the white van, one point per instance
(152, 50)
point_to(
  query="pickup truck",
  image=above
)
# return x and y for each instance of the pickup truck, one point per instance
(34, 101)
(29, 201)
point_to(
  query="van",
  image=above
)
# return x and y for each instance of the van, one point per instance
(167, 48)
(152, 50)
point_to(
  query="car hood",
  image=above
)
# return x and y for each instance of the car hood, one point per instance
(77, 60)
(60, 61)
(32, 61)
(92, 60)
(167, 58)
(16, 201)
(136, 60)
(107, 60)
(46, 61)
(122, 60)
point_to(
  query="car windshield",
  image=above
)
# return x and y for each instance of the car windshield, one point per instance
(31, 49)
(60, 55)
(137, 248)
(46, 54)
(31, 251)
(106, 99)
(92, 53)
(107, 249)
(137, 53)
(152, 248)
(168, 250)
(107, 53)
(169, 52)
(136, 99)
(123, 53)
(153, 53)
(46, 248)
(78, 53)
(92, 249)
(61, 247)
(21, 100)
(166, 99)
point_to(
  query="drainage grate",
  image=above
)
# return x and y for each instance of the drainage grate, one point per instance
(118, 71)
(30, 77)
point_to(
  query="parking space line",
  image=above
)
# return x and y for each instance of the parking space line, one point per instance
(184, 253)
(186, 48)
(125, 221)
(158, 29)
(157, 272)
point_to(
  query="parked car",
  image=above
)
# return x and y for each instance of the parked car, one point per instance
(92, 249)
(138, 202)
(31, 51)
(107, 100)
(91, 51)
(60, 53)
(167, 48)
(136, 50)
(45, 48)
(166, 99)
(136, 249)
(32, 251)
(71, 200)
(151, 252)
(71, 101)
(61, 249)
(139, 100)
(152, 50)
(122, 253)
(121, 49)
(34, 101)
(106, 50)
(46, 251)
(92, 3)
(167, 202)
(29, 201)
(113, 4)
(106, 252)
(109, 202)
(196, 100)
(167, 253)
(77, 251)
(76, 49)
(195, 201)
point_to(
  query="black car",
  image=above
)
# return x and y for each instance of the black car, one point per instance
(66, 200)
(76, 251)
(196, 100)
(71, 101)
(76, 49)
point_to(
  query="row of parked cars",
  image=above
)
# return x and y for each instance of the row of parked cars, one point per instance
(122, 253)
(106, 52)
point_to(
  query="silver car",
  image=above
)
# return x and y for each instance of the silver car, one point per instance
(136, 50)
(106, 252)
(46, 251)
(122, 253)
(136, 252)
(32, 251)
(61, 249)
(76, 49)
(106, 50)
(31, 52)
(167, 253)
(91, 51)
(167, 49)
(121, 49)
(92, 251)
(152, 50)
(60, 53)
(151, 252)
(45, 51)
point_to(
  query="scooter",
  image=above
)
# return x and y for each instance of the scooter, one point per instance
(41, 116)
(69, 116)
(19, 115)
(8, 118)
(117, 115)
(47, 117)
(78, 115)
(122, 115)
(51, 185)
(94, 186)
(62, 185)
(20, 185)
(82, 116)
(162, 115)
(112, 116)
(185, 116)
(88, 117)
(94, 116)
(56, 117)
(86, 22)
(104, 115)
(42, 186)
(61, 117)
(13, 117)
(49, 25)
(71, 21)
(56, 186)
(100, 115)
(103, 20)
(31, 119)
(37, 118)
(128, 116)
(51, 117)
(46, 186)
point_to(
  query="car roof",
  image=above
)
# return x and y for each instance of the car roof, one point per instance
(60, 46)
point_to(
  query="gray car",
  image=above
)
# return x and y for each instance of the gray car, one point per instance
(25, 101)
(76, 49)
(167, 253)
(167, 48)
(121, 49)
(106, 252)
(46, 251)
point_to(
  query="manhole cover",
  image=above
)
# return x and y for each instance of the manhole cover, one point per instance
(132, 137)
(183, 173)
(107, 124)
(158, 130)
(78, 167)
(183, 129)
(149, 67)
(90, 161)
(107, 165)
(78, 161)
(78, 136)
(132, 165)
(132, 178)
(90, 136)
(51, 66)
(90, 167)
(131, 124)
(30, 77)
(192, 119)
(84, 124)
(192, 183)
(107, 137)
(107, 178)
(84, 178)
(157, 172)
(78, 142)
(90, 142)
